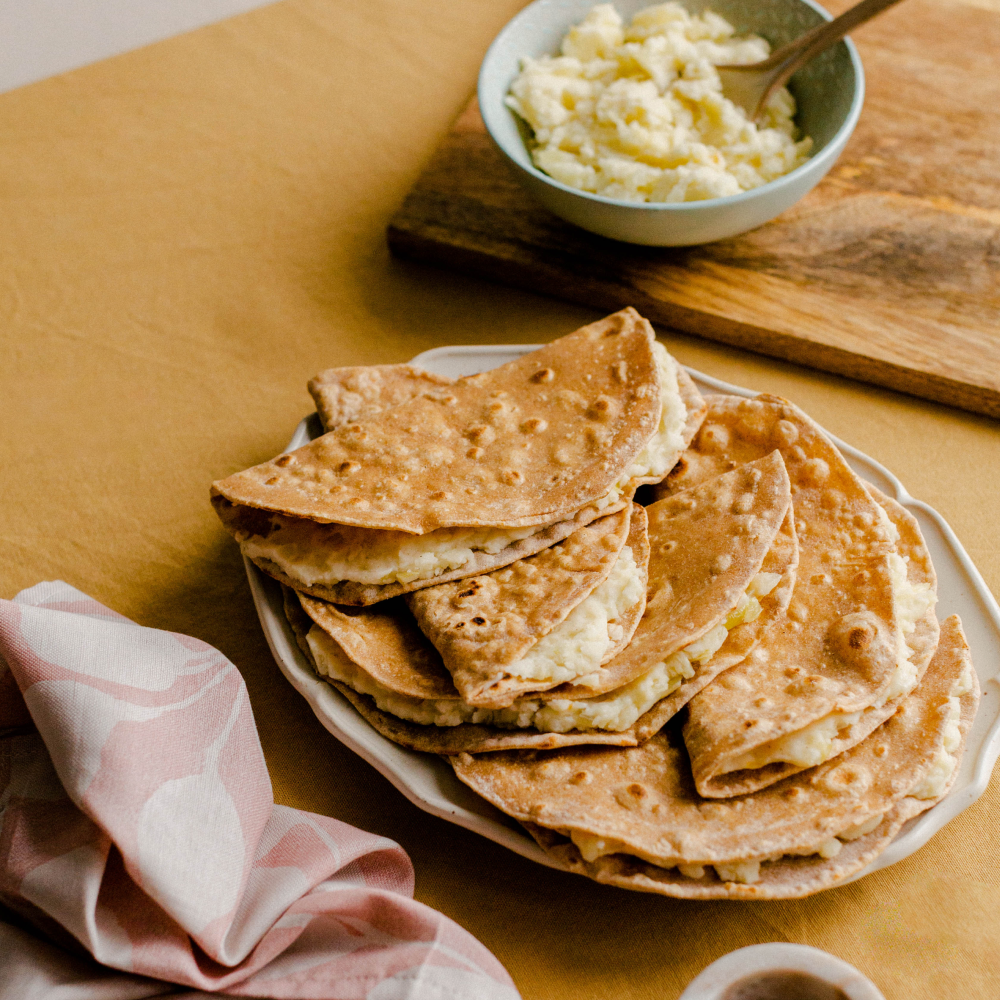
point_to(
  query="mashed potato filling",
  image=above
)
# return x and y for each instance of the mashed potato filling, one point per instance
(312, 553)
(614, 711)
(592, 847)
(577, 645)
(933, 784)
(660, 453)
(813, 744)
(637, 113)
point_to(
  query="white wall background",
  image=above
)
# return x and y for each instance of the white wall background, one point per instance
(39, 38)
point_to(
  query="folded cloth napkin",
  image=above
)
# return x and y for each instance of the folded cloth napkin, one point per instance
(137, 820)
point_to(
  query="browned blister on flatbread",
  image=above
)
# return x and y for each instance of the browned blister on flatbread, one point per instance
(636, 814)
(249, 524)
(349, 395)
(484, 625)
(840, 642)
(530, 442)
(706, 546)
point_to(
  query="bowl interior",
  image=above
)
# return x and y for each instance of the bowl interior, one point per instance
(824, 89)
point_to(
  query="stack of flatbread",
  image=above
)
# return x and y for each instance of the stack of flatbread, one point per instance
(736, 688)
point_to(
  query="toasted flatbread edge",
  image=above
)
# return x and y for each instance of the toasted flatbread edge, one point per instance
(464, 738)
(362, 594)
(628, 872)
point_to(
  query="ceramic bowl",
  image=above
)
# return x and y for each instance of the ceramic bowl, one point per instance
(829, 92)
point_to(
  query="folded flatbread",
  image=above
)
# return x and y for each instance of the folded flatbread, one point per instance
(722, 565)
(543, 620)
(397, 681)
(467, 477)
(841, 648)
(302, 554)
(381, 663)
(915, 587)
(632, 817)
(350, 395)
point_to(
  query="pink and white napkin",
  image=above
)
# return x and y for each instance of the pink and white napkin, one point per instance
(137, 821)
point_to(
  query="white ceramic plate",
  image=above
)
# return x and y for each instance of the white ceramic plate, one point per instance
(428, 782)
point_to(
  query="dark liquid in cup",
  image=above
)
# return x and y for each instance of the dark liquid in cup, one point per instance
(783, 986)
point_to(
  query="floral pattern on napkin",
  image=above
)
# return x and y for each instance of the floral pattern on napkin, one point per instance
(138, 819)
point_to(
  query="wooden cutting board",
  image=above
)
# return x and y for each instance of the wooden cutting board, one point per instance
(888, 271)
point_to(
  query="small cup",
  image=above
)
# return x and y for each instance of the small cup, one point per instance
(781, 971)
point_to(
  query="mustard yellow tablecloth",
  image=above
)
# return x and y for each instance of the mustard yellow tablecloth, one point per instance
(187, 234)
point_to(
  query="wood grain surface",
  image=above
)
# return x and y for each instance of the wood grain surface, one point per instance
(887, 272)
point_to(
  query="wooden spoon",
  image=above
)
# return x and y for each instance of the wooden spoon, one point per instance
(751, 85)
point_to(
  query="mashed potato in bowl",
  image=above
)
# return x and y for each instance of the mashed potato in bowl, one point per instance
(637, 113)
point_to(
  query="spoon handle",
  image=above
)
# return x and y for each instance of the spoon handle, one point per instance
(775, 71)
(798, 52)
